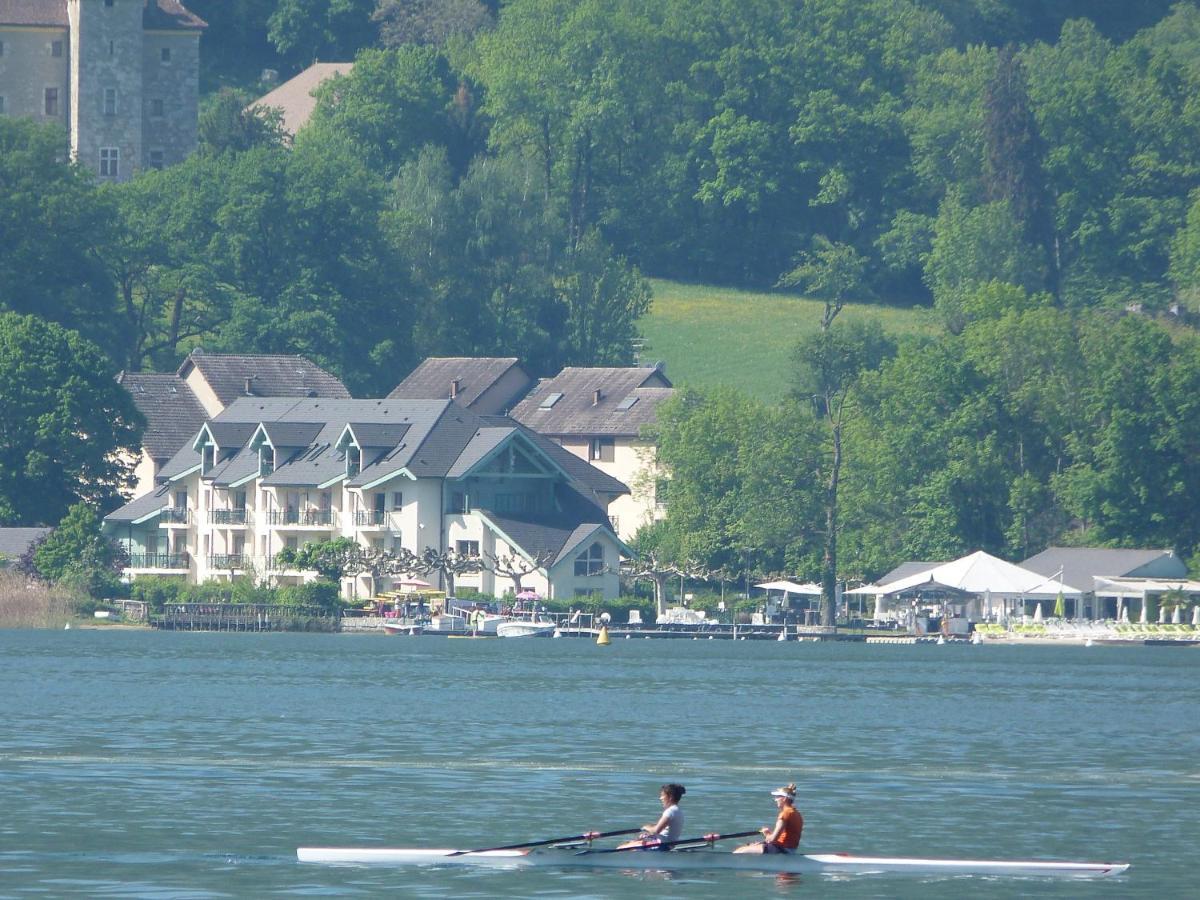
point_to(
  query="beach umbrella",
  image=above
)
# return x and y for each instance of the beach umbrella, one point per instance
(1125, 614)
(1196, 616)
(1144, 618)
(414, 582)
(1162, 613)
(1037, 613)
(1060, 606)
(527, 594)
(1176, 616)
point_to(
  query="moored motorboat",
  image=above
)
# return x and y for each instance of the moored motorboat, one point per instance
(409, 628)
(525, 628)
(712, 859)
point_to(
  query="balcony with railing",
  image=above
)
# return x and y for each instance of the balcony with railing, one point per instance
(371, 518)
(301, 518)
(227, 561)
(227, 516)
(159, 561)
(175, 515)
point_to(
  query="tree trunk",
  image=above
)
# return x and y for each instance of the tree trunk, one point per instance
(829, 563)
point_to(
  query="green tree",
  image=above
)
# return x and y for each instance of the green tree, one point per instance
(69, 428)
(428, 21)
(53, 222)
(306, 31)
(77, 553)
(228, 121)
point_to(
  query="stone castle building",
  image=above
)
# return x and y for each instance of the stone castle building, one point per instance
(121, 77)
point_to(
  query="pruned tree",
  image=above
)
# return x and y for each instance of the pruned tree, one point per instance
(658, 570)
(449, 564)
(515, 566)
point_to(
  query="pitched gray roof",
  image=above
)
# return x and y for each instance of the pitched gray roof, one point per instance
(15, 541)
(434, 379)
(292, 434)
(161, 14)
(379, 434)
(172, 412)
(579, 469)
(1080, 564)
(143, 506)
(553, 536)
(483, 442)
(906, 569)
(268, 376)
(627, 399)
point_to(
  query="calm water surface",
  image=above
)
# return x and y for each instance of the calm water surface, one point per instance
(140, 764)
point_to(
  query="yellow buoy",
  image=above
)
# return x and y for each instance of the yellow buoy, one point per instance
(602, 638)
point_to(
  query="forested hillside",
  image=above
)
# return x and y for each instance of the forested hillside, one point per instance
(502, 178)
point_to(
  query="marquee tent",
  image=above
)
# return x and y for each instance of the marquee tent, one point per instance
(791, 587)
(979, 574)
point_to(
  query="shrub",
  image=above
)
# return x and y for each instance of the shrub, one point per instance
(320, 593)
(156, 591)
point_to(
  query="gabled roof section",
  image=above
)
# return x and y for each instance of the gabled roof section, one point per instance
(311, 466)
(487, 442)
(229, 376)
(1079, 565)
(551, 537)
(294, 98)
(172, 412)
(15, 541)
(378, 435)
(228, 436)
(171, 15)
(463, 379)
(141, 508)
(281, 435)
(157, 14)
(34, 12)
(579, 470)
(595, 401)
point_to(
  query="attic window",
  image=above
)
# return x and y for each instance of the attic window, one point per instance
(353, 461)
(266, 461)
(550, 399)
(627, 403)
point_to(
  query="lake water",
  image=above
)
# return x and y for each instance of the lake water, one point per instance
(178, 765)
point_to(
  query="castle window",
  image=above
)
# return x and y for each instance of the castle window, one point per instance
(156, 159)
(110, 162)
(52, 101)
(110, 101)
(165, 54)
(56, 48)
(156, 107)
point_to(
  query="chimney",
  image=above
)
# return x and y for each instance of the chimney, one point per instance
(596, 397)
(455, 383)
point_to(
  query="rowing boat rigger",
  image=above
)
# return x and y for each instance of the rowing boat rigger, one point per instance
(708, 858)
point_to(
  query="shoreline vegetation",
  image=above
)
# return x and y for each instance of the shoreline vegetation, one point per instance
(28, 604)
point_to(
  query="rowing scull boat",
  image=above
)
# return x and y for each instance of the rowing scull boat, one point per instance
(814, 863)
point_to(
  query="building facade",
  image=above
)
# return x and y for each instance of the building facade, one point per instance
(599, 415)
(269, 474)
(121, 77)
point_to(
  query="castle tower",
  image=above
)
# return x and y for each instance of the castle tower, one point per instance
(106, 85)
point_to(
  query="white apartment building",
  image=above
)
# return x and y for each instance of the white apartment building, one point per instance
(270, 473)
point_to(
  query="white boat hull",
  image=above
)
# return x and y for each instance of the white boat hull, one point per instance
(534, 628)
(819, 863)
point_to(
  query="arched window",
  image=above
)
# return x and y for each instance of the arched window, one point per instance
(590, 561)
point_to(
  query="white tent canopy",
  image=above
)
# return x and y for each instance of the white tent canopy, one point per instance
(791, 587)
(982, 573)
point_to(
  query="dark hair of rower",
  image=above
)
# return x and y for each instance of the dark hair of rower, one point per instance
(674, 792)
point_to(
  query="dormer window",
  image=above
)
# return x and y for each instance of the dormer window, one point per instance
(266, 460)
(353, 461)
(208, 458)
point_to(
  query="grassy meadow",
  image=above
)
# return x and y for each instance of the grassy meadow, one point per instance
(710, 336)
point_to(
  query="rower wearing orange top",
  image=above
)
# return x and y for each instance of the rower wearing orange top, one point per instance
(785, 836)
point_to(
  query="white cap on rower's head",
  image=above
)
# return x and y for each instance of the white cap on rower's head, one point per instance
(783, 792)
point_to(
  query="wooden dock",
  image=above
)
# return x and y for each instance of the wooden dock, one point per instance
(243, 617)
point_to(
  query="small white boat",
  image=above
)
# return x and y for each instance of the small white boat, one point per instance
(525, 628)
(710, 859)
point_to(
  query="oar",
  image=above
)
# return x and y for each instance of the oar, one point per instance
(696, 841)
(586, 836)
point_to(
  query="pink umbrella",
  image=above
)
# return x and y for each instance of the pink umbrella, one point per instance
(527, 595)
(414, 582)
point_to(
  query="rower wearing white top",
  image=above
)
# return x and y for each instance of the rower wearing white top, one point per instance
(669, 826)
